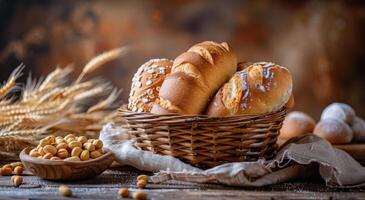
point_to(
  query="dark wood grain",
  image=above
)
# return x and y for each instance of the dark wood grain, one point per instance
(66, 170)
(107, 184)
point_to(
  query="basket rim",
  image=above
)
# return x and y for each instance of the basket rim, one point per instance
(125, 113)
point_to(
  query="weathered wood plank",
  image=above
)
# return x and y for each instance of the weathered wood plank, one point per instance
(106, 186)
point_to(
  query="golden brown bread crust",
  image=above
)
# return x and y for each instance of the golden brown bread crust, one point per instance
(195, 76)
(243, 65)
(171, 87)
(146, 84)
(260, 88)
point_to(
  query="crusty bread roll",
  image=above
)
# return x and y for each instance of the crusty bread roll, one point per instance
(262, 87)
(146, 84)
(358, 127)
(195, 76)
(339, 111)
(296, 124)
(334, 130)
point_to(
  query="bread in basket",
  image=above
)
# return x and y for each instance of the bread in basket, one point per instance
(241, 122)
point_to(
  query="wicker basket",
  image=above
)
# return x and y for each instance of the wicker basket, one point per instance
(205, 141)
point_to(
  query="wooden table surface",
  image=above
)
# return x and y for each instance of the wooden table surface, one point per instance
(107, 184)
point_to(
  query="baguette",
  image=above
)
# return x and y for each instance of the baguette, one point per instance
(195, 77)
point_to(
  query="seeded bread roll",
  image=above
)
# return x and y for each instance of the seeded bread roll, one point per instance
(195, 76)
(146, 84)
(262, 87)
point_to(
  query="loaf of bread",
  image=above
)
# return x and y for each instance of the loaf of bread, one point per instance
(146, 84)
(339, 111)
(296, 124)
(262, 87)
(195, 77)
(334, 130)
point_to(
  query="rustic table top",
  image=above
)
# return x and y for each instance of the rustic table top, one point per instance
(107, 184)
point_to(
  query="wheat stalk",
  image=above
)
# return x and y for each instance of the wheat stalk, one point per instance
(105, 103)
(13, 144)
(10, 84)
(103, 58)
(54, 77)
(55, 105)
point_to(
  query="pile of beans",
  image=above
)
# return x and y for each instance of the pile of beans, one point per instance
(68, 148)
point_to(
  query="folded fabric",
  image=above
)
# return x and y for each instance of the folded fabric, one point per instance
(299, 157)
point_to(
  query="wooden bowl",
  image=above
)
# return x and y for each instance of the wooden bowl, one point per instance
(66, 170)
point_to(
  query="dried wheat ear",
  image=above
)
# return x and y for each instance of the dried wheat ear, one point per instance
(55, 105)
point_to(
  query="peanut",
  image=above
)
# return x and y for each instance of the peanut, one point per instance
(16, 164)
(40, 151)
(95, 154)
(69, 136)
(62, 153)
(74, 144)
(139, 195)
(17, 180)
(65, 191)
(89, 146)
(50, 149)
(60, 140)
(98, 144)
(8, 165)
(70, 139)
(59, 137)
(85, 155)
(141, 184)
(62, 145)
(55, 158)
(51, 138)
(90, 141)
(100, 150)
(47, 156)
(72, 159)
(76, 151)
(82, 139)
(44, 142)
(18, 170)
(5, 171)
(143, 177)
(123, 192)
(34, 153)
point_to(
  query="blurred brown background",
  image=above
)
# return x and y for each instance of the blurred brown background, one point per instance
(321, 42)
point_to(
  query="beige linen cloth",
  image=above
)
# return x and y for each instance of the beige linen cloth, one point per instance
(298, 158)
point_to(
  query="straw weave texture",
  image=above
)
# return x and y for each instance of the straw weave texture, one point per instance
(205, 141)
